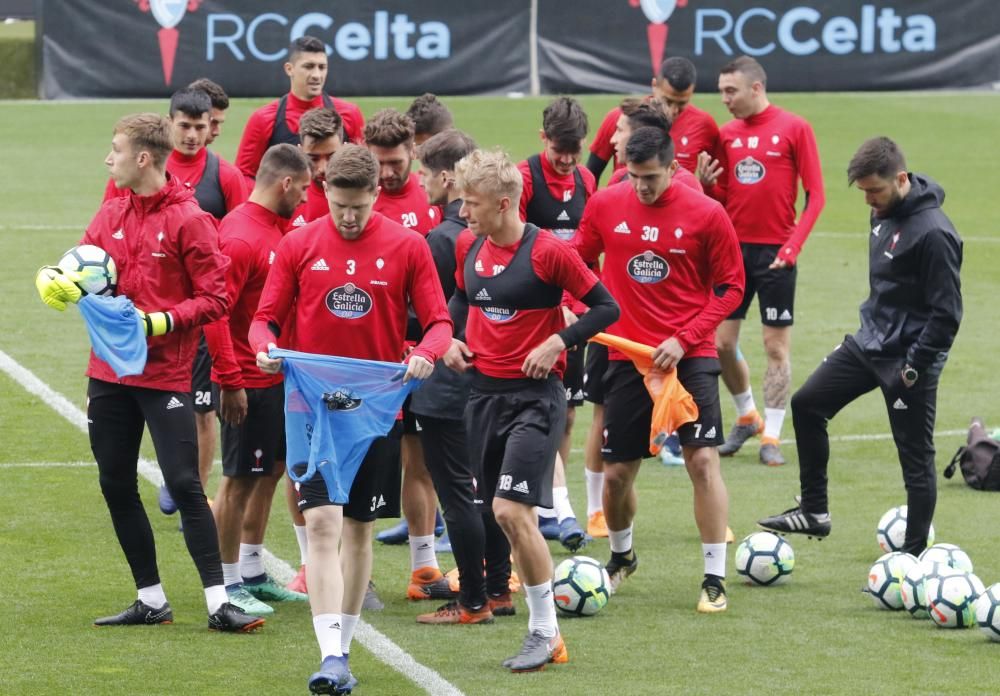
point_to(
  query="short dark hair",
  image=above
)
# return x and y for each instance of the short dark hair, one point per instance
(280, 161)
(389, 128)
(442, 152)
(564, 122)
(321, 123)
(679, 73)
(429, 116)
(220, 100)
(305, 44)
(352, 167)
(748, 66)
(191, 102)
(646, 143)
(879, 156)
(649, 114)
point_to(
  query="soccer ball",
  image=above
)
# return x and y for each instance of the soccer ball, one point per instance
(891, 531)
(885, 579)
(764, 558)
(949, 554)
(98, 274)
(581, 586)
(911, 591)
(951, 595)
(988, 612)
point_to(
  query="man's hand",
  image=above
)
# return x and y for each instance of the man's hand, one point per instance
(271, 366)
(233, 406)
(155, 323)
(56, 287)
(459, 357)
(418, 367)
(668, 354)
(707, 169)
(568, 316)
(539, 362)
(786, 257)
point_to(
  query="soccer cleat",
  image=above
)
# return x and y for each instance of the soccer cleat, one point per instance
(333, 677)
(597, 526)
(770, 453)
(455, 613)
(549, 527)
(620, 567)
(745, 428)
(796, 521)
(298, 583)
(536, 652)
(242, 599)
(138, 614)
(438, 523)
(443, 544)
(572, 536)
(429, 583)
(372, 601)
(400, 534)
(713, 597)
(671, 453)
(271, 591)
(232, 619)
(167, 504)
(501, 604)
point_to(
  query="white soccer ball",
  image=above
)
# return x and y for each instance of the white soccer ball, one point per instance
(911, 591)
(885, 579)
(764, 558)
(951, 594)
(891, 531)
(581, 586)
(949, 554)
(988, 612)
(98, 274)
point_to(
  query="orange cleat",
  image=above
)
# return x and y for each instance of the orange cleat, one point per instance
(597, 526)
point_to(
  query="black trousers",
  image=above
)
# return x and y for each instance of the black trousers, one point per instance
(843, 376)
(474, 533)
(117, 415)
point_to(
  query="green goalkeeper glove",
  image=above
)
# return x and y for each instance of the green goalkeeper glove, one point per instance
(56, 287)
(156, 323)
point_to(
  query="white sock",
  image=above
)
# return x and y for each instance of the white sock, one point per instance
(327, 628)
(545, 512)
(422, 552)
(153, 596)
(300, 535)
(715, 559)
(595, 491)
(621, 541)
(541, 609)
(744, 403)
(773, 418)
(251, 560)
(215, 597)
(231, 574)
(347, 624)
(561, 504)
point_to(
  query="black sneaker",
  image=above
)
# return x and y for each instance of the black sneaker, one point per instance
(139, 614)
(232, 619)
(795, 521)
(620, 567)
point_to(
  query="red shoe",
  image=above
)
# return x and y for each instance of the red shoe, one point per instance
(429, 583)
(298, 583)
(455, 613)
(501, 605)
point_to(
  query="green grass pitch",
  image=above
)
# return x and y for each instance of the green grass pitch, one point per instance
(60, 566)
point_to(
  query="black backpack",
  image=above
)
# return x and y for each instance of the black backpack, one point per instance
(979, 459)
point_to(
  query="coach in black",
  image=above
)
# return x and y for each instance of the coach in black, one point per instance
(908, 324)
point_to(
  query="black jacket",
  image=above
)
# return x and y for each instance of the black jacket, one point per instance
(915, 304)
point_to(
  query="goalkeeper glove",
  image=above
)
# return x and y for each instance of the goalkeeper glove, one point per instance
(156, 323)
(56, 287)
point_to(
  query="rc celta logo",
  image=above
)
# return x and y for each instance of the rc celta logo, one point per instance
(168, 14)
(657, 12)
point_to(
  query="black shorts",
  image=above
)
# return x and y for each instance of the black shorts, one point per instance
(514, 427)
(201, 378)
(251, 449)
(775, 288)
(593, 376)
(369, 497)
(573, 377)
(628, 409)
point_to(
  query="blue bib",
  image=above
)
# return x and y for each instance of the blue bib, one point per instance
(115, 332)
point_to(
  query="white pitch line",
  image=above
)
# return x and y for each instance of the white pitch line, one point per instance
(47, 465)
(373, 640)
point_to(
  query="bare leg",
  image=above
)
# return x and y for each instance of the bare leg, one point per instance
(355, 561)
(419, 500)
(735, 370)
(711, 500)
(324, 525)
(620, 500)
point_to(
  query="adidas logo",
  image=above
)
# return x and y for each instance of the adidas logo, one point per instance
(300, 221)
(562, 217)
(737, 143)
(335, 625)
(119, 234)
(174, 403)
(423, 547)
(785, 316)
(483, 295)
(622, 228)
(900, 406)
(710, 433)
(876, 228)
(320, 266)
(381, 502)
(522, 488)
(270, 259)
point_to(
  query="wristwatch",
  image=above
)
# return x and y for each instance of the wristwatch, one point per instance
(910, 374)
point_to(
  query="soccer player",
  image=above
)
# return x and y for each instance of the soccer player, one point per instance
(671, 259)
(383, 267)
(322, 132)
(429, 117)
(764, 152)
(251, 403)
(636, 114)
(908, 324)
(554, 190)
(514, 276)
(390, 137)
(167, 254)
(278, 122)
(220, 104)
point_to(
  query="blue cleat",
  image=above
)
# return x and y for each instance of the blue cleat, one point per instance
(572, 536)
(333, 677)
(167, 504)
(393, 536)
(438, 523)
(443, 544)
(549, 527)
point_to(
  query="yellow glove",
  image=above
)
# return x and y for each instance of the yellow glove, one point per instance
(56, 287)
(156, 323)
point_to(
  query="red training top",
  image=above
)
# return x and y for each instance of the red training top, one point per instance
(409, 207)
(561, 187)
(602, 146)
(315, 207)
(682, 177)
(694, 131)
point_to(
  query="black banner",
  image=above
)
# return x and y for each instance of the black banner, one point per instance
(804, 45)
(149, 48)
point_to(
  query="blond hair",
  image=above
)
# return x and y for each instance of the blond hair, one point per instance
(490, 172)
(149, 132)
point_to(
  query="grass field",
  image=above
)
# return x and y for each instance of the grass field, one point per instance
(60, 565)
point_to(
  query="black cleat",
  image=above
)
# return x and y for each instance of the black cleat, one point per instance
(795, 521)
(232, 619)
(138, 614)
(620, 567)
